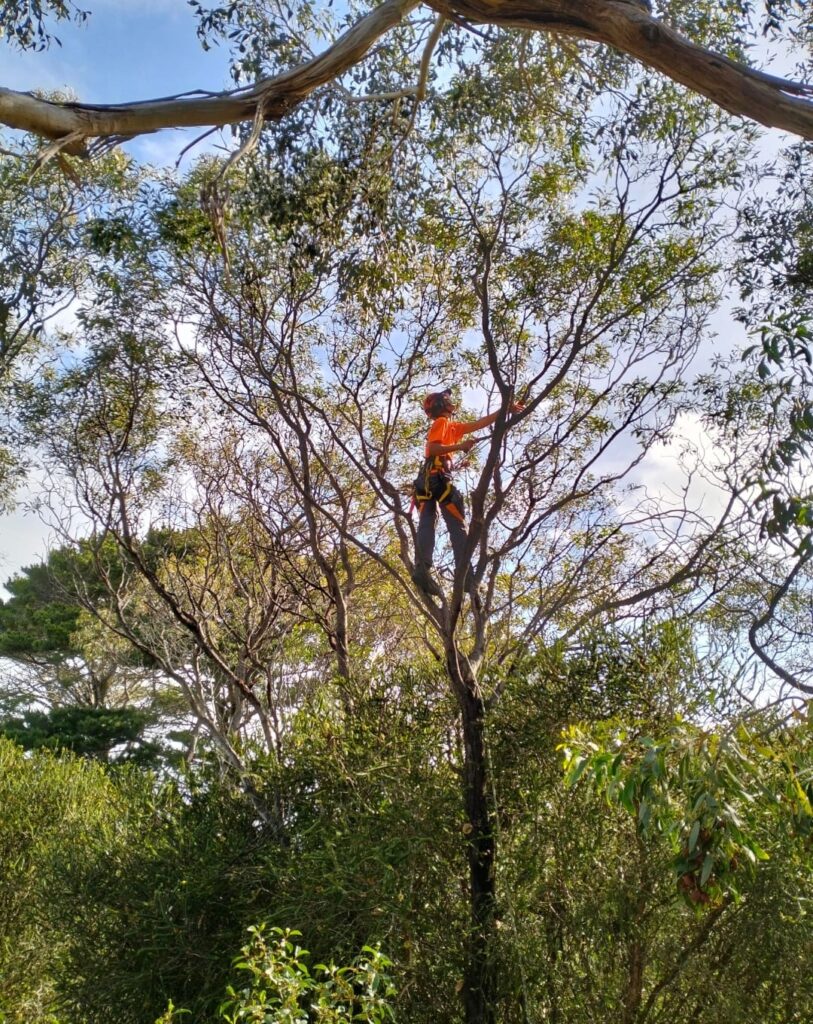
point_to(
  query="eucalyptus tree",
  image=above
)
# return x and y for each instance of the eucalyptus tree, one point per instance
(45, 218)
(201, 592)
(504, 251)
(544, 225)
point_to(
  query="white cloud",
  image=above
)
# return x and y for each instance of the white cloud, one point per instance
(681, 467)
(24, 538)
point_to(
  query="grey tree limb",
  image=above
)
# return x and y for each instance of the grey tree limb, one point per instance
(621, 24)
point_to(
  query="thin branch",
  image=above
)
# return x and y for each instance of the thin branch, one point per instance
(765, 618)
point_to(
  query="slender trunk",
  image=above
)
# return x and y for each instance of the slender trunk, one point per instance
(635, 981)
(479, 991)
(340, 633)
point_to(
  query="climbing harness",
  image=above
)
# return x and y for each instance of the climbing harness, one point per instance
(434, 483)
(433, 480)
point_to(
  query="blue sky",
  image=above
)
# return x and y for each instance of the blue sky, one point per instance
(126, 50)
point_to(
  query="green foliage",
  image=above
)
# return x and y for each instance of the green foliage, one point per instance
(281, 986)
(89, 732)
(232, 467)
(160, 906)
(707, 795)
(375, 835)
(785, 365)
(55, 812)
(155, 909)
(124, 897)
(772, 269)
(39, 618)
(23, 22)
(43, 213)
(80, 690)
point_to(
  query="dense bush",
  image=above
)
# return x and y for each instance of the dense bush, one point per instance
(119, 894)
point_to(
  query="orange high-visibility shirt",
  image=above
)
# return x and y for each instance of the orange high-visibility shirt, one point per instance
(446, 432)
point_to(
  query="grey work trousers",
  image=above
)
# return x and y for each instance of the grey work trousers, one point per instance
(453, 511)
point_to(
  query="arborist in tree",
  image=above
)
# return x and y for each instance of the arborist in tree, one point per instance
(433, 486)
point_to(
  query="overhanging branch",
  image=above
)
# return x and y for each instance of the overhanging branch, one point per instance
(274, 96)
(737, 88)
(772, 101)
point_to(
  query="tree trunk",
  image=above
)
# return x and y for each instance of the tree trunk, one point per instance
(340, 640)
(479, 991)
(635, 981)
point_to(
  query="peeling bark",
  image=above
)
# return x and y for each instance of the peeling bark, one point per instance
(270, 98)
(737, 88)
(624, 25)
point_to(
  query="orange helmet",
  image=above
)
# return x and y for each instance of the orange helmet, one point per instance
(438, 402)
